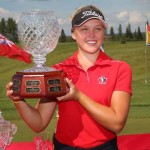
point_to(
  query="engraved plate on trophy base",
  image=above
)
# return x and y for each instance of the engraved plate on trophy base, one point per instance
(39, 84)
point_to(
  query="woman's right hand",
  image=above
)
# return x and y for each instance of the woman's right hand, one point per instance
(9, 93)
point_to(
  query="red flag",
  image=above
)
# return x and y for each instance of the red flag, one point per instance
(10, 50)
(147, 34)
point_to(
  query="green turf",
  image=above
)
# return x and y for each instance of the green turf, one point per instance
(131, 52)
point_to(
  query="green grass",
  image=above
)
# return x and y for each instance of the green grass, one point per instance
(131, 52)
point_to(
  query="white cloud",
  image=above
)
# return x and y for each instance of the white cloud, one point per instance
(122, 15)
(6, 14)
(61, 21)
(135, 17)
(3, 11)
(65, 24)
(148, 15)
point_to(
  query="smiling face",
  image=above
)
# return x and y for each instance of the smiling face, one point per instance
(89, 36)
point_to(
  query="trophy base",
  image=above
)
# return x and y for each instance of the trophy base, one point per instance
(39, 84)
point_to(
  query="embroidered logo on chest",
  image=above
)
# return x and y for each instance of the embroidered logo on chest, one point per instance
(102, 80)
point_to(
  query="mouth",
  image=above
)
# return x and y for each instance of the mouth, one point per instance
(91, 42)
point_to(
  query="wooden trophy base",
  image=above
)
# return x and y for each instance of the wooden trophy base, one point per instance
(39, 84)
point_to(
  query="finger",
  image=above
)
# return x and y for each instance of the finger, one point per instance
(61, 97)
(9, 93)
(69, 82)
(9, 85)
(64, 97)
(14, 98)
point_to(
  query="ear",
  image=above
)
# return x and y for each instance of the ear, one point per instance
(73, 35)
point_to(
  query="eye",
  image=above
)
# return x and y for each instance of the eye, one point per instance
(84, 29)
(98, 28)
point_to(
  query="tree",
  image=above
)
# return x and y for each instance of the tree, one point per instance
(12, 30)
(112, 34)
(120, 31)
(62, 36)
(139, 34)
(8, 28)
(135, 35)
(3, 27)
(129, 32)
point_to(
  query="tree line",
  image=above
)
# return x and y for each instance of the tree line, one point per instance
(9, 29)
(137, 35)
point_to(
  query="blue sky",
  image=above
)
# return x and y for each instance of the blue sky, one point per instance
(135, 12)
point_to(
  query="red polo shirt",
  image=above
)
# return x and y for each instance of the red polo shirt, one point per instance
(75, 126)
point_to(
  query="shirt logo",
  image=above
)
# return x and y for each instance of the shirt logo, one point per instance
(102, 80)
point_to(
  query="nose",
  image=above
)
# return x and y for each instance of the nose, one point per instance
(91, 33)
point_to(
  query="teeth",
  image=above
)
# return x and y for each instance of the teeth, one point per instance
(91, 42)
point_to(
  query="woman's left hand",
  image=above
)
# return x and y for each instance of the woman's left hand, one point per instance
(73, 93)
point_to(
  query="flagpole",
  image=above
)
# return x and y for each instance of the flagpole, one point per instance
(145, 61)
(146, 66)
